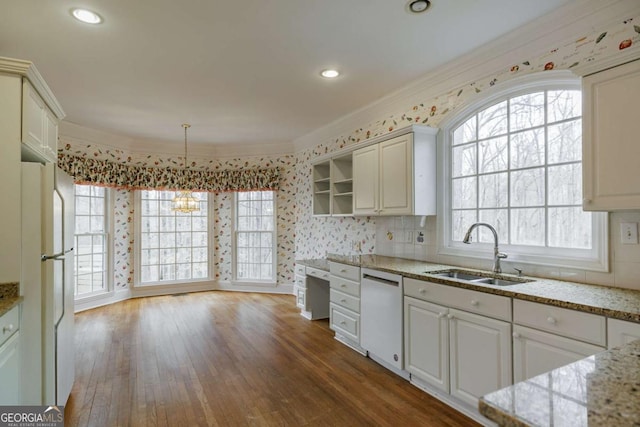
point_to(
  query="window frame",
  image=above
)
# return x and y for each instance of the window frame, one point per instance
(108, 248)
(137, 283)
(274, 246)
(597, 259)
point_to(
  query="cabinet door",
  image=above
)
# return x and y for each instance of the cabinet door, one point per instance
(536, 352)
(610, 139)
(365, 181)
(620, 332)
(33, 124)
(10, 371)
(50, 146)
(426, 342)
(480, 355)
(396, 172)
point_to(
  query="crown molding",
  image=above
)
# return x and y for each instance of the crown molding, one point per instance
(529, 40)
(28, 70)
(82, 135)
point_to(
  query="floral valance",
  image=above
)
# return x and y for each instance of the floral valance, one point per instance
(86, 170)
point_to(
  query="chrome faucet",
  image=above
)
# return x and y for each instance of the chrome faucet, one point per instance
(497, 255)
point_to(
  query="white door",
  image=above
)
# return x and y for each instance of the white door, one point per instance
(396, 172)
(365, 181)
(536, 352)
(480, 355)
(426, 342)
(58, 278)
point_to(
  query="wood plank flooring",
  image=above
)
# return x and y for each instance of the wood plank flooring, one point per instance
(232, 359)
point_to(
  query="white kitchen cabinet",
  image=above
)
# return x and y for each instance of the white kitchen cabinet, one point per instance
(547, 337)
(312, 292)
(620, 332)
(39, 127)
(464, 353)
(321, 182)
(344, 306)
(342, 185)
(396, 176)
(426, 342)
(10, 357)
(536, 352)
(480, 355)
(611, 180)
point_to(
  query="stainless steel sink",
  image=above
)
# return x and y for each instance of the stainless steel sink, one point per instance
(480, 278)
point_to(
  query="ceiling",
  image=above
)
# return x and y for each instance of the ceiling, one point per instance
(241, 72)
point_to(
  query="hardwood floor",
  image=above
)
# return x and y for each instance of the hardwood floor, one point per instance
(232, 359)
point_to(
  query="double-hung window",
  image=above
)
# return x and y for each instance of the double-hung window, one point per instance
(173, 246)
(91, 238)
(516, 163)
(255, 236)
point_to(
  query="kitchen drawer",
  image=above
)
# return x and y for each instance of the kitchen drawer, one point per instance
(344, 322)
(9, 324)
(561, 321)
(345, 271)
(300, 269)
(316, 272)
(345, 300)
(301, 281)
(347, 286)
(477, 302)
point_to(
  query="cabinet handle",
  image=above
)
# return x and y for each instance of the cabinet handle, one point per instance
(422, 290)
(552, 320)
(344, 270)
(343, 285)
(516, 335)
(450, 316)
(343, 300)
(474, 303)
(8, 328)
(343, 323)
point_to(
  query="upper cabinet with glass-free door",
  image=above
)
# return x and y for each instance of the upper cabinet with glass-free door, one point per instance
(611, 139)
(397, 175)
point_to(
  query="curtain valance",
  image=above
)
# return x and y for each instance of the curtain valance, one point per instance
(86, 170)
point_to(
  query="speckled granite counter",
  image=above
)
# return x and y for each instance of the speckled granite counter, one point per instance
(320, 264)
(601, 390)
(611, 302)
(9, 296)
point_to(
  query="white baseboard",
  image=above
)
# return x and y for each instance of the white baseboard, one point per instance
(102, 300)
(140, 292)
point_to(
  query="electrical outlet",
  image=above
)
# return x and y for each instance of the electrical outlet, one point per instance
(420, 238)
(629, 233)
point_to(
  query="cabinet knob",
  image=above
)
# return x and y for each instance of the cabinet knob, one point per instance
(586, 201)
(450, 316)
(422, 290)
(343, 285)
(8, 328)
(551, 320)
(474, 303)
(516, 335)
(344, 270)
(441, 315)
(343, 300)
(343, 323)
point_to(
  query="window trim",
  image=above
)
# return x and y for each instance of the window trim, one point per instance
(234, 246)
(109, 203)
(597, 260)
(178, 284)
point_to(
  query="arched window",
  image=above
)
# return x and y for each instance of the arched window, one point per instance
(514, 160)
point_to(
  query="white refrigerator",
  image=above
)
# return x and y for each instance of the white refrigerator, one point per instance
(48, 202)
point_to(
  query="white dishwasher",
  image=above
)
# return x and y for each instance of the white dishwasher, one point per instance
(381, 318)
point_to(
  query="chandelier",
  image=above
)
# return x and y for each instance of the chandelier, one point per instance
(185, 201)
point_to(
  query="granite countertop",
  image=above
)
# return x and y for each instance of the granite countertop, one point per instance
(616, 303)
(9, 297)
(600, 390)
(320, 264)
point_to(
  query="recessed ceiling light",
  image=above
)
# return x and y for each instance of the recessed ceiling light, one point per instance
(418, 6)
(86, 16)
(330, 74)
